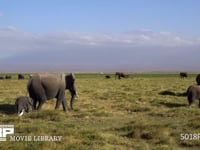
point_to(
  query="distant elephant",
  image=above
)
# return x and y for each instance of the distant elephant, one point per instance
(23, 104)
(193, 93)
(20, 76)
(8, 77)
(107, 77)
(42, 87)
(1, 77)
(183, 75)
(121, 75)
(198, 79)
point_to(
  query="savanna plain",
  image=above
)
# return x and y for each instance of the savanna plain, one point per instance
(142, 112)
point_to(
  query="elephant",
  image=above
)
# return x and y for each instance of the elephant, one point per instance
(183, 75)
(8, 77)
(23, 103)
(107, 77)
(20, 76)
(193, 93)
(42, 87)
(121, 75)
(198, 79)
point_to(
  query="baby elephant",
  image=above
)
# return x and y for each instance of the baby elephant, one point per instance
(22, 104)
(193, 93)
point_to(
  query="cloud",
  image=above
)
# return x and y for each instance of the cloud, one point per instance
(14, 40)
(1, 14)
(144, 49)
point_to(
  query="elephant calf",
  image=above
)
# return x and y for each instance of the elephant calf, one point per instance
(22, 104)
(193, 93)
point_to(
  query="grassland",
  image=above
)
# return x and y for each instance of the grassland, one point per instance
(109, 114)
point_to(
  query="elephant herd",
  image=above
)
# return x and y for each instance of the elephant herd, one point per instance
(7, 76)
(118, 75)
(42, 87)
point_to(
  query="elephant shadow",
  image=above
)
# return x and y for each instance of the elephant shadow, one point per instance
(170, 93)
(7, 109)
(172, 105)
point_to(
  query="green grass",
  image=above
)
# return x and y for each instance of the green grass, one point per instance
(109, 114)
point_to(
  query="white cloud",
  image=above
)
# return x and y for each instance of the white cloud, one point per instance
(136, 47)
(13, 40)
(1, 14)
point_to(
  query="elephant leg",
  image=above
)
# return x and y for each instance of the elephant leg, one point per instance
(72, 101)
(61, 98)
(34, 104)
(190, 100)
(64, 105)
(199, 103)
(41, 102)
(73, 94)
(190, 103)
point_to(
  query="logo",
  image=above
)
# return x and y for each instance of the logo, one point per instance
(9, 129)
(4, 130)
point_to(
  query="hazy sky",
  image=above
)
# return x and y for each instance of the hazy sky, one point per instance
(99, 35)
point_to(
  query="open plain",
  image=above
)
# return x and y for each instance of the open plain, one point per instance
(144, 111)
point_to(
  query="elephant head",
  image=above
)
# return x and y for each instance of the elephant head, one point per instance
(23, 104)
(70, 85)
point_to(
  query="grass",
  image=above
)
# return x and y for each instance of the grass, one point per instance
(141, 112)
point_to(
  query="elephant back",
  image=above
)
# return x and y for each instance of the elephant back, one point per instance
(47, 80)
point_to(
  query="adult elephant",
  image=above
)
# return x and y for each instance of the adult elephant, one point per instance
(8, 77)
(20, 76)
(193, 93)
(121, 75)
(42, 87)
(198, 79)
(183, 75)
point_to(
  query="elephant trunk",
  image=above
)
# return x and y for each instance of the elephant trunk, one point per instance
(73, 95)
(20, 110)
(21, 113)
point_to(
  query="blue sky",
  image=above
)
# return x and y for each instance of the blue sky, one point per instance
(103, 35)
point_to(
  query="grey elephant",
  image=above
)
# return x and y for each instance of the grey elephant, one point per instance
(121, 75)
(42, 87)
(193, 93)
(198, 79)
(183, 74)
(23, 104)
